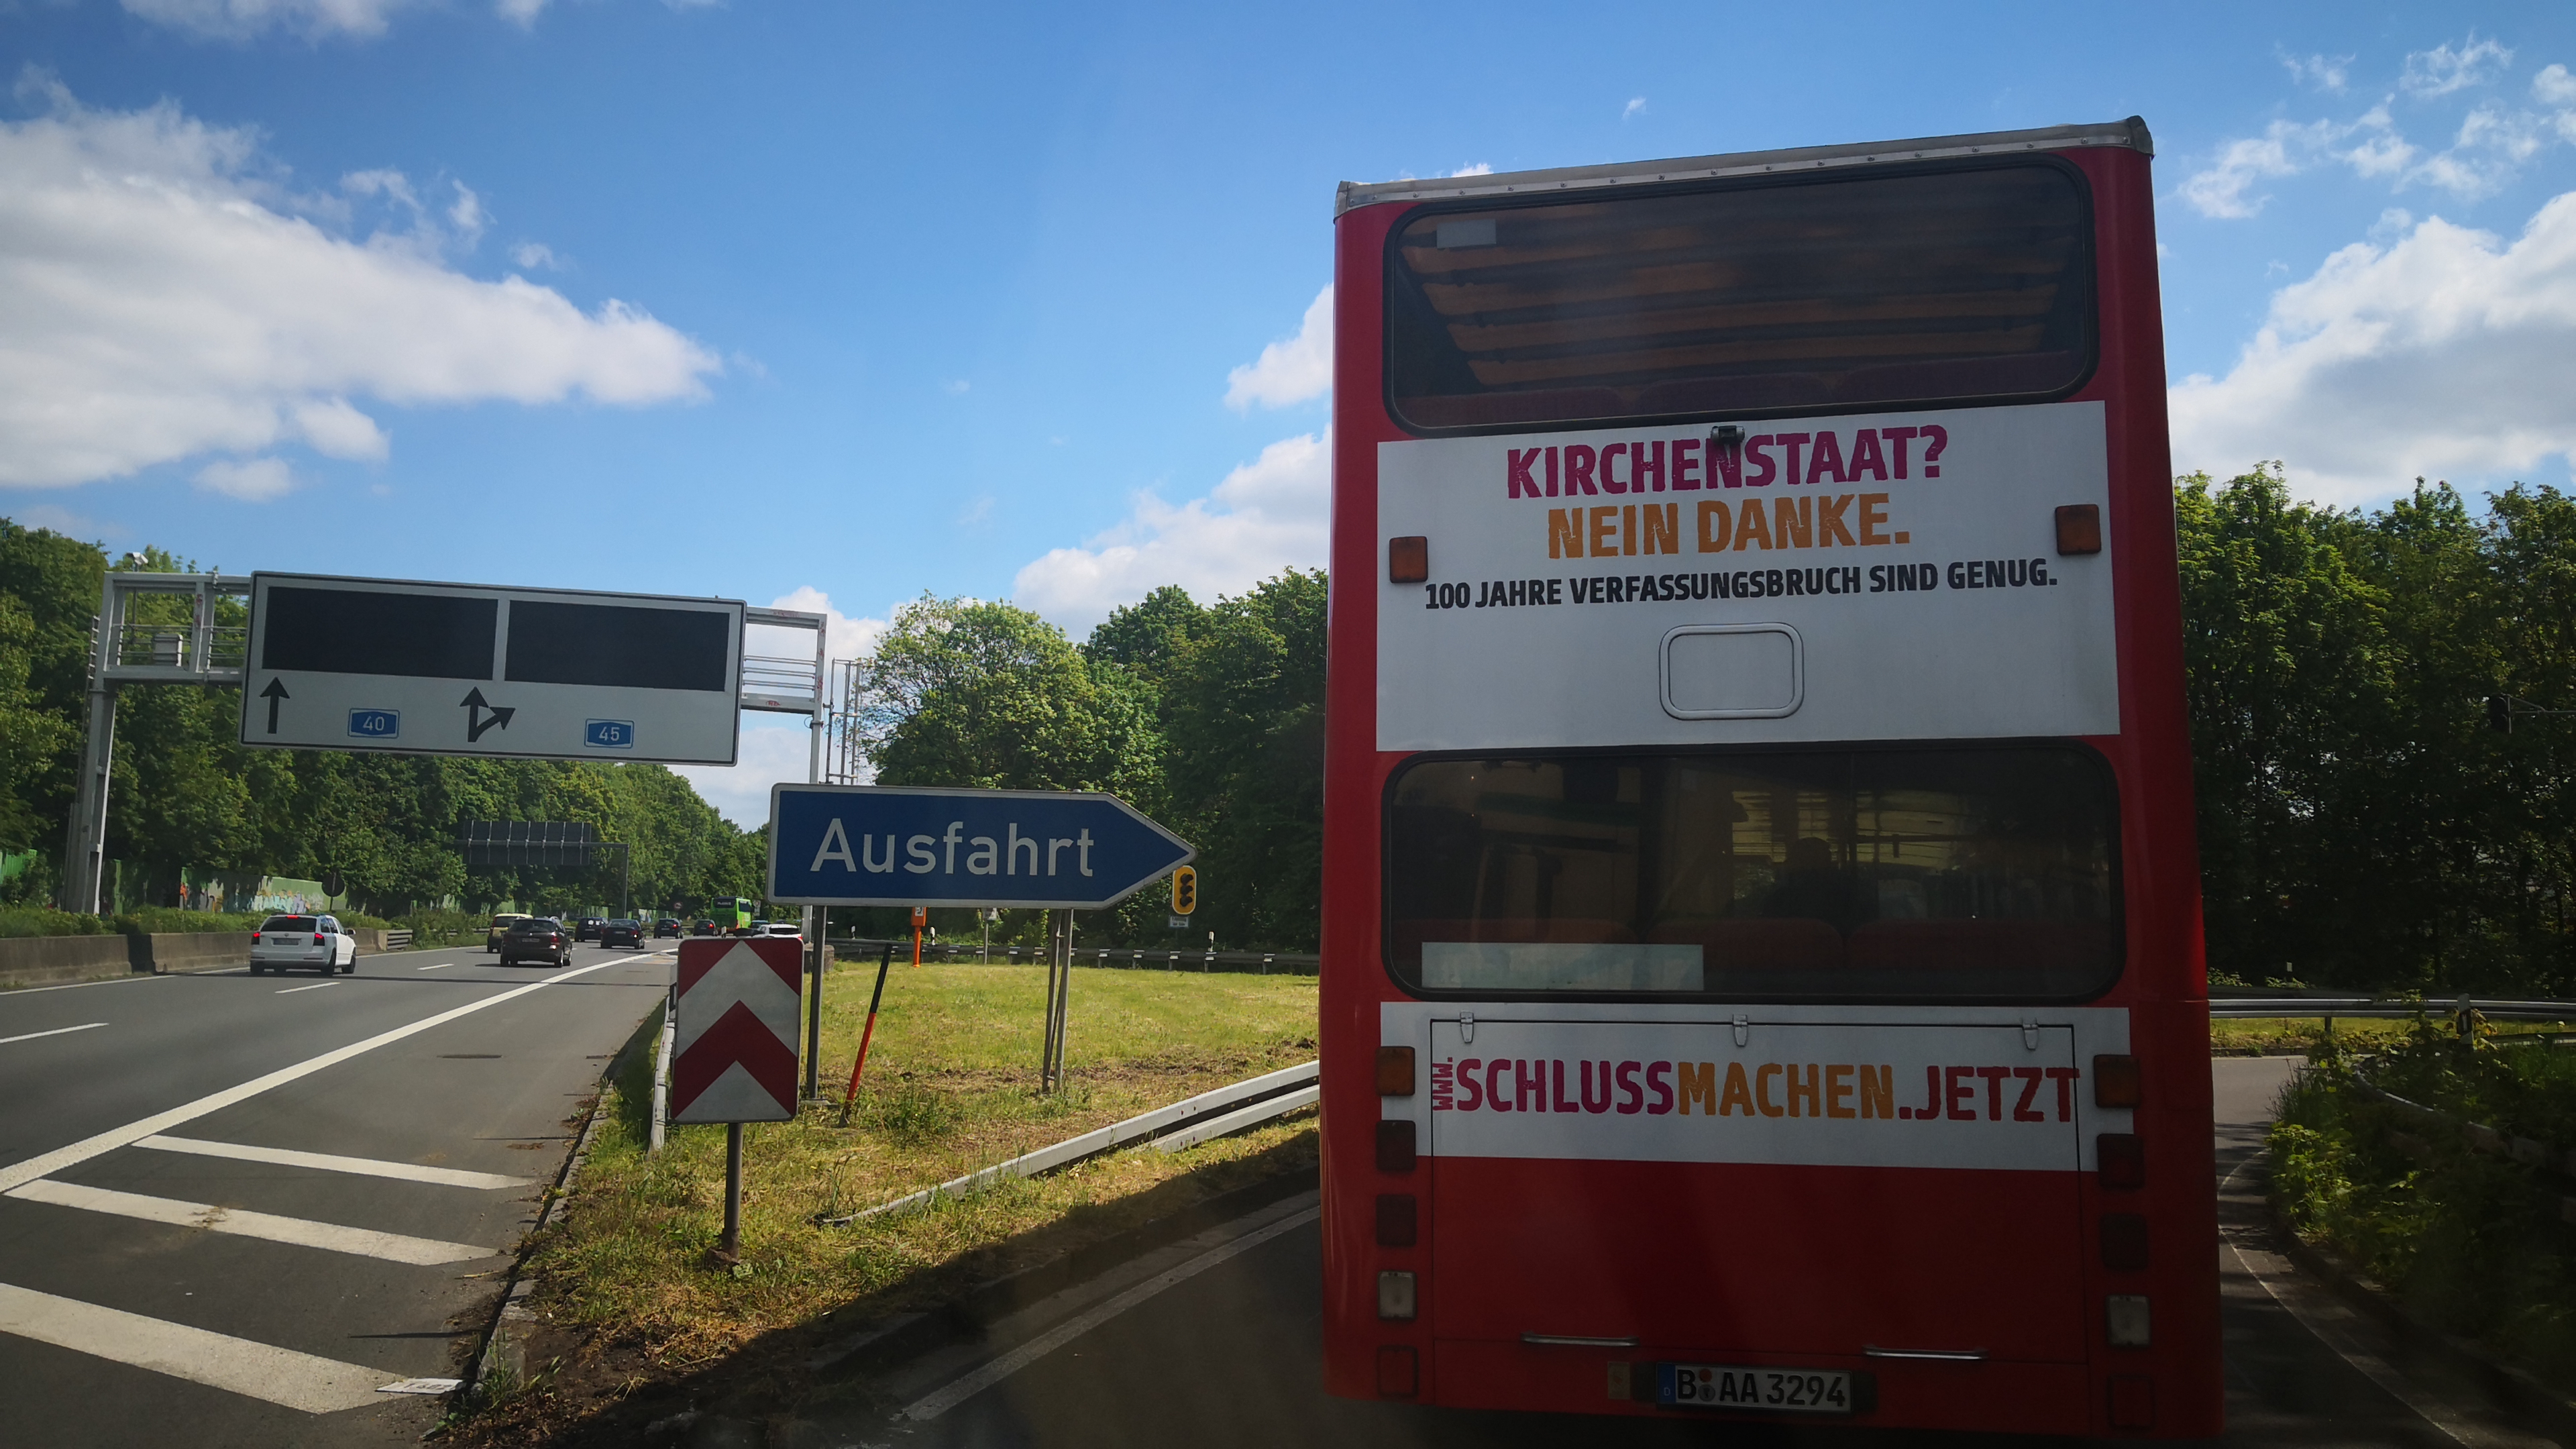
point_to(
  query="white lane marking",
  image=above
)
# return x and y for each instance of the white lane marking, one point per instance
(316, 986)
(303, 1232)
(57, 1031)
(55, 1161)
(940, 1401)
(236, 1365)
(420, 1386)
(77, 985)
(441, 966)
(328, 1162)
(2351, 1350)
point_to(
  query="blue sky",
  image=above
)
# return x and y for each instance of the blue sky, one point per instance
(840, 303)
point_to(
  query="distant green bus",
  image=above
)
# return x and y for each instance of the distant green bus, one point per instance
(730, 913)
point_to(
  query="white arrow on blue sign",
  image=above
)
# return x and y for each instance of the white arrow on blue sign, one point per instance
(894, 845)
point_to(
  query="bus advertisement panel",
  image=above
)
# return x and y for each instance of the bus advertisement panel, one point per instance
(1762, 965)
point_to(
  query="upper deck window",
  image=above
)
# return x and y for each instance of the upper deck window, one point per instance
(1960, 284)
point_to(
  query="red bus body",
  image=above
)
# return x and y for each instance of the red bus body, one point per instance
(1560, 1269)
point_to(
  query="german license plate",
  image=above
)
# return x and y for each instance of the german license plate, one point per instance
(1763, 1390)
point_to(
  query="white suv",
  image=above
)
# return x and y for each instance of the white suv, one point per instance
(318, 942)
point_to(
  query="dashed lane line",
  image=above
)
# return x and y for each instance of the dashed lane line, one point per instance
(240, 1222)
(237, 1365)
(316, 986)
(57, 1031)
(46, 1164)
(330, 1162)
(441, 966)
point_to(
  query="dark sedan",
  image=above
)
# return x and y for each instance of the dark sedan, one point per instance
(536, 938)
(587, 928)
(665, 927)
(622, 933)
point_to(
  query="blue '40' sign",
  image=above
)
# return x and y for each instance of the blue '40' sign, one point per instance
(890, 845)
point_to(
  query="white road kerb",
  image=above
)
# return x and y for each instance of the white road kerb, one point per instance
(20, 1174)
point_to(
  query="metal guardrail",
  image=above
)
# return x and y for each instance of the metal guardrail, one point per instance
(1116, 958)
(2387, 1008)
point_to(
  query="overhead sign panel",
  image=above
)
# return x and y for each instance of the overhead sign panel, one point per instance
(886, 845)
(461, 669)
(735, 1030)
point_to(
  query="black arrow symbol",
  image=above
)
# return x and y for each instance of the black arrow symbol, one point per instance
(276, 691)
(476, 724)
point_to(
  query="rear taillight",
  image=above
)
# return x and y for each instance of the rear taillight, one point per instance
(2116, 1082)
(317, 938)
(254, 938)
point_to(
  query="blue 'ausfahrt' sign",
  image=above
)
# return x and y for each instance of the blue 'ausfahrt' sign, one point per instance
(887, 845)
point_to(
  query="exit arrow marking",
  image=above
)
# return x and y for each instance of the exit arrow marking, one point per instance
(475, 722)
(276, 691)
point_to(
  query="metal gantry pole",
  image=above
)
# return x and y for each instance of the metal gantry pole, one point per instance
(85, 852)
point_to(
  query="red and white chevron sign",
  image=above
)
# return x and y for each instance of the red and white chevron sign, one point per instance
(737, 1029)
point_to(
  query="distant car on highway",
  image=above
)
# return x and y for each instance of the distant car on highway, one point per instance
(703, 928)
(285, 942)
(587, 928)
(779, 928)
(665, 927)
(500, 924)
(536, 938)
(622, 933)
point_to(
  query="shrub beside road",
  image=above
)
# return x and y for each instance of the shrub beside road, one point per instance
(2430, 1194)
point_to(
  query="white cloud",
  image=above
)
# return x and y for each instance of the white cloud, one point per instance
(258, 480)
(1635, 104)
(1475, 168)
(466, 214)
(2554, 86)
(957, 387)
(236, 18)
(2442, 353)
(1267, 515)
(1291, 371)
(2324, 72)
(522, 13)
(2442, 70)
(773, 747)
(165, 300)
(844, 637)
(2221, 189)
(534, 257)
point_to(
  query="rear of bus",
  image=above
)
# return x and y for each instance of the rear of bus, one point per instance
(1762, 967)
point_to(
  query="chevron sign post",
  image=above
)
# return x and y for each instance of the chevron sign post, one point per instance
(737, 1029)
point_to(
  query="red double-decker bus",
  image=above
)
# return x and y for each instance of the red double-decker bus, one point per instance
(1762, 963)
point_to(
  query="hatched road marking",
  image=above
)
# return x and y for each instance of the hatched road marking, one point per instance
(49, 1163)
(57, 1031)
(329, 1162)
(279, 1375)
(241, 1222)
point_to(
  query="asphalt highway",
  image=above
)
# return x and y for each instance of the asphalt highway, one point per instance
(1226, 1352)
(234, 1208)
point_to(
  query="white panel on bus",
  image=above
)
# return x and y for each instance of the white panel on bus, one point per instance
(1907, 585)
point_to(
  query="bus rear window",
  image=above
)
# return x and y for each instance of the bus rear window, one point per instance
(1887, 874)
(1943, 286)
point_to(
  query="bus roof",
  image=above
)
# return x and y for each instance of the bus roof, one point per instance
(2131, 133)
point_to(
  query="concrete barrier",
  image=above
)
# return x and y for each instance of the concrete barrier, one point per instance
(165, 952)
(40, 960)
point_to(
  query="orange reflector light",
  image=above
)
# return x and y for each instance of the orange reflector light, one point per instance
(1399, 1372)
(1408, 559)
(2120, 1158)
(2115, 1082)
(1395, 1297)
(1395, 1147)
(2124, 1242)
(2079, 528)
(1398, 1219)
(1395, 1071)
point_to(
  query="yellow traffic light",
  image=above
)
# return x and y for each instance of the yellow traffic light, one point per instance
(1185, 890)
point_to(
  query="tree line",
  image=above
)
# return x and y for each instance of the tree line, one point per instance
(183, 793)
(2361, 822)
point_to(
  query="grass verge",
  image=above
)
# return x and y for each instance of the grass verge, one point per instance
(625, 1290)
